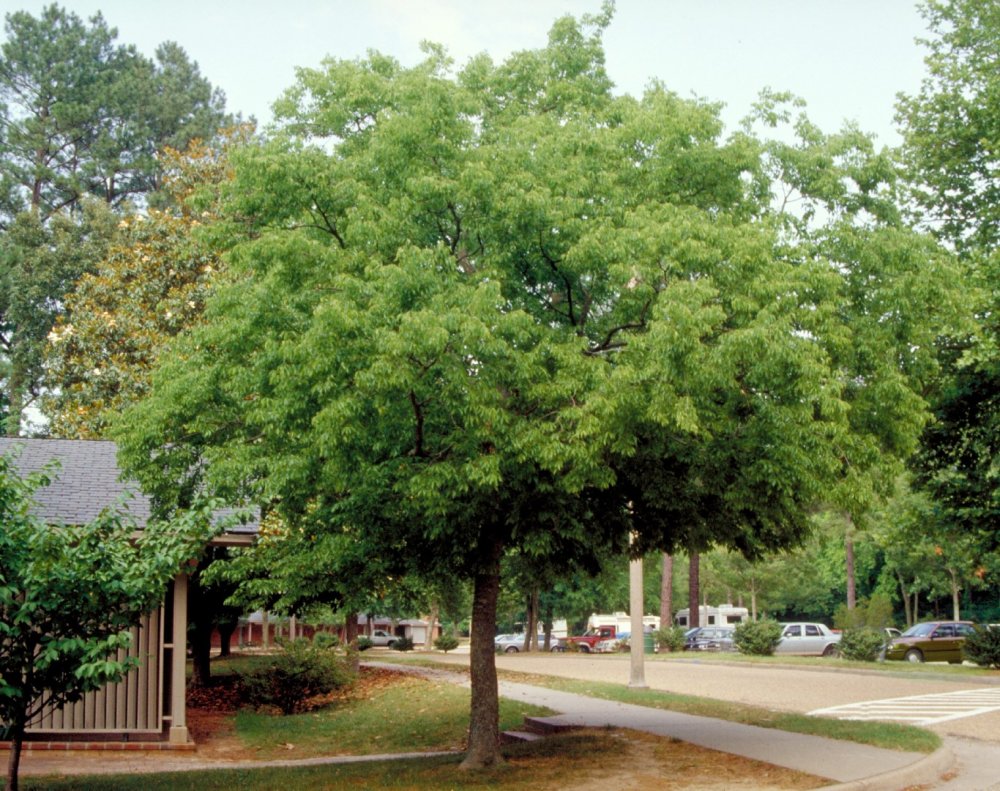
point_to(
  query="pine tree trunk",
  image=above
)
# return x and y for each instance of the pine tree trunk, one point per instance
(694, 610)
(667, 592)
(907, 613)
(852, 594)
(484, 718)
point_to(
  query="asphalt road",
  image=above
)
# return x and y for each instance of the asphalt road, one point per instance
(780, 687)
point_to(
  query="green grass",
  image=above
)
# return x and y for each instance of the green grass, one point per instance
(412, 715)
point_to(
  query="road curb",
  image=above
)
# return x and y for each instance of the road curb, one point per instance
(923, 772)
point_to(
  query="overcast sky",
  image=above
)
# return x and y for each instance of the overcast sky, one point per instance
(847, 58)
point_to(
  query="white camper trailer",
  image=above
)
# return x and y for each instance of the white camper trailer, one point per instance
(720, 615)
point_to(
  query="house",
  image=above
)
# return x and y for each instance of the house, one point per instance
(148, 705)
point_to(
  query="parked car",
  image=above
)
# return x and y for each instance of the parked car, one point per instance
(509, 643)
(931, 641)
(807, 639)
(381, 637)
(710, 638)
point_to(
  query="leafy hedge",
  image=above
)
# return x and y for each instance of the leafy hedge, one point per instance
(983, 647)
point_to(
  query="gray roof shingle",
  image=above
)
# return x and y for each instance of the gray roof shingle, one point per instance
(85, 482)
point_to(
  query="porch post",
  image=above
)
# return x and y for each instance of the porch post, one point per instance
(178, 662)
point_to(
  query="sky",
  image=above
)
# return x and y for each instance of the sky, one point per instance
(848, 59)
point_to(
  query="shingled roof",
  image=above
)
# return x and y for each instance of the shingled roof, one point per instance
(85, 481)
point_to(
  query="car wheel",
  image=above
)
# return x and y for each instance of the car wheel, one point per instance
(584, 648)
(914, 655)
(511, 649)
(555, 650)
(391, 644)
(831, 650)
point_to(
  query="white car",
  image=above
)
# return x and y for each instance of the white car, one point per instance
(509, 643)
(808, 639)
(380, 637)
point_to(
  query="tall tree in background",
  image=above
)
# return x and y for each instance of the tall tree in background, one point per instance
(80, 115)
(151, 284)
(951, 130)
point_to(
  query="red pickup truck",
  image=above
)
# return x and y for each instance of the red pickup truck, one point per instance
(585, 642)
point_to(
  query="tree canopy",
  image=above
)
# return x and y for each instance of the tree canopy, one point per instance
(503, 308)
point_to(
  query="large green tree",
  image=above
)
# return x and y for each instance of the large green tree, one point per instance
(505, 310)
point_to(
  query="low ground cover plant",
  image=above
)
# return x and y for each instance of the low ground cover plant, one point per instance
(446, 643)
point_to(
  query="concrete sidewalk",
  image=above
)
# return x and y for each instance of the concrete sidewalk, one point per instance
(848, 765)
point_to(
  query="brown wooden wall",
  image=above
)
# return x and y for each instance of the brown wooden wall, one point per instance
(130, 709)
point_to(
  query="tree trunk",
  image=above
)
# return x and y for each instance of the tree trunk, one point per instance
(484, 718)
(226, 631)
(852, 594)
(351, 638)
(753, 600)
(667, 592)
(907, 613)
(16, 744)
(956, 591)
(531, 627)
(694, 610)
(433, 622)
(548, 628)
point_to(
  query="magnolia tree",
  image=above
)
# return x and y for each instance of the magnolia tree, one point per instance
(505, 310)
(69, 597)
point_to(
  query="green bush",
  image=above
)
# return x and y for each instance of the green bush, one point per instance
(670, 638)
(757, 638)
(325, 640)
(983, 647)
(364, 642)
(446, 642)
(289, 678)
(402, 644)
(862, 643)
(875, 612)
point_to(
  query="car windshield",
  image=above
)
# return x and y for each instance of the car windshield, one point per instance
(919, 630)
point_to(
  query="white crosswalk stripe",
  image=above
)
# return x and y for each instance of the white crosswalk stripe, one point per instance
(920, 709)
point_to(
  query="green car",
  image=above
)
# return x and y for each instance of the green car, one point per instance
(932, 641)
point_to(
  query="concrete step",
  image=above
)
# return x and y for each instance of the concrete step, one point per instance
(516, 737)
(546, 725)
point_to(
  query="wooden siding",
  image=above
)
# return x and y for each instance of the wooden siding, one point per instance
(132, 708)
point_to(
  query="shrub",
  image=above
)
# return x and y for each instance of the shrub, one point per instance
(983, 647)
(446, 642)
(364, 642)
(670, 638)
(292, 676)
(757, 638)
(875, 612)
(402, 644)
(862, 643)
(325, 640)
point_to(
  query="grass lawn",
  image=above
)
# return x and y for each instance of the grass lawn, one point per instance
(388, 713)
